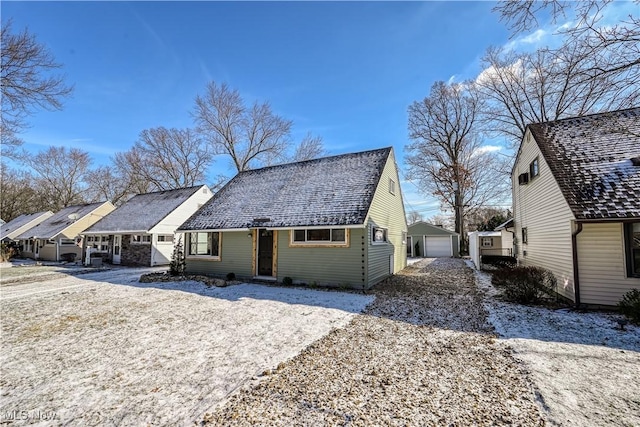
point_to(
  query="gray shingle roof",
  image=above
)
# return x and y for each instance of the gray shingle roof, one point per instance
(16, 223)
(335, 190)
(143, 211)
(52, 226)
(590, 158)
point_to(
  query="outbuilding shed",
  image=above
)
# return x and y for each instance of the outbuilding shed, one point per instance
(432, 241)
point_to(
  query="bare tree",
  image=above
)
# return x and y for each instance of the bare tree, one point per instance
(446, 155)
(26, 82)
(165, 159)
(19, 195)
(311, 147)
(413, 217)
(597, 68)
(107, 183)
(60, 175)
(446, 221)
(524, 88)
(248, 134)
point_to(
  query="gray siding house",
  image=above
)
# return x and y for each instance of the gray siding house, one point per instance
(432, 241)
(576, 195)
(337, 220)
(142, 230)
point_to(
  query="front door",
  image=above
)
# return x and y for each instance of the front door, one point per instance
(117, 240)
(265, 252)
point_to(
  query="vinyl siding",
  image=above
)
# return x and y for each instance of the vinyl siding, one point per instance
(235, 257)
(341, 266)
(178, 216)
(74, 230)
(420, 229)
(601, 264)
(386, 211)
(540, 207)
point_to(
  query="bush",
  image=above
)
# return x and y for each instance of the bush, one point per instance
(287, 281)
(525, 285)
(8, 251)
(630, 305)
(499, 261)
(178, 264)
(231, 276)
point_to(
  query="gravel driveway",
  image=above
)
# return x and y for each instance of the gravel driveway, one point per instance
(421, 354)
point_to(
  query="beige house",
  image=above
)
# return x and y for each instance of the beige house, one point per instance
(576, 196)
(337, 221)
(141, 230)
(59, 236)
(12, 229)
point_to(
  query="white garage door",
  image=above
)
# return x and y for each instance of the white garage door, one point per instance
(438, 246)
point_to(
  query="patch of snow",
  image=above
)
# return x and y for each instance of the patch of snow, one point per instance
(586, 369)
(103, 348)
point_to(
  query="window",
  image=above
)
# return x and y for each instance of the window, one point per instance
(141, 239)
(525, 236)
(487, 242)
(534, 168)
(165, 238)
(379, 235)
(632, 247)
(328, 236)
(204, 244)
(67, 242)
(392, 186)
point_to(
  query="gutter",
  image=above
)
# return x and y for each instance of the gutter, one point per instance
(574, 252)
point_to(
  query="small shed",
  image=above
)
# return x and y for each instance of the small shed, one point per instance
(432, 241)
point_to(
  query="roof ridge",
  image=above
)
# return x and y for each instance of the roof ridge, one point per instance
(585, 116)
(334, 156)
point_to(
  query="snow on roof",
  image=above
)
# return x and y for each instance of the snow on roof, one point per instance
(335, 190)
(143, 211)
(591, 159)
(13, 225)
(54, 225)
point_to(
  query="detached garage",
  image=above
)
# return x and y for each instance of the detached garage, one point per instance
(432, 241)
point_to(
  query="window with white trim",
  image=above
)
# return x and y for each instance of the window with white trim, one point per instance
(534, 168)
(140, 239)
(204, 244)
(379, 235)
(525, 235)
(67, 242)
(487, 242)
(165, 238)
(321, 236)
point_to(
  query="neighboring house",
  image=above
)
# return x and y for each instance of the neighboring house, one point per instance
(432, 241)
(59, 234)
(142, 230)
(576, 195)
(332, 221)
(21, 224)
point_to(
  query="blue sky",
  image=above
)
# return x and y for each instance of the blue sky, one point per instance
(344, 71)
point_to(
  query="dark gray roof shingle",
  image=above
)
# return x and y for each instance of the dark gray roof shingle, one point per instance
(590, 158)
(54, 225)
(143, 211)
(335, 190)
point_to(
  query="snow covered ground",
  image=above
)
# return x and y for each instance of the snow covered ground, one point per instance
(586, 369)
(102, 348)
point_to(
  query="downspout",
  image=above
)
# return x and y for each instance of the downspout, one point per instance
(576, 275)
